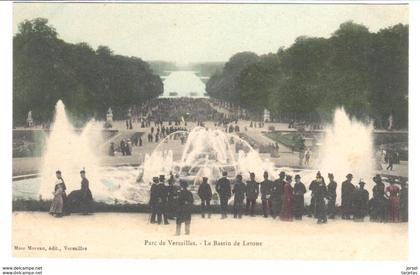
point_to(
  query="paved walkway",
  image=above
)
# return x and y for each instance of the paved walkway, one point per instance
(121, 235)
(32, 165)
(262, 139)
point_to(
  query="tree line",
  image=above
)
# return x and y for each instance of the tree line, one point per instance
(46, 69)
(365, 72)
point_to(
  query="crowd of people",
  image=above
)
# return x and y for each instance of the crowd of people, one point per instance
(162, 132)
(177, 110)
(281, 198)
(125, 146)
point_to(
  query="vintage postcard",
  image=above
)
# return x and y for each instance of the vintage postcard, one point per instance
(210, 131)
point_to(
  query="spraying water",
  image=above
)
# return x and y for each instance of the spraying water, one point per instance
(69, 152)
(347, 147)
(206, 153)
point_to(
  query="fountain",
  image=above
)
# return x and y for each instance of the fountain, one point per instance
(70, 152)
(205, 153)
(346, 148)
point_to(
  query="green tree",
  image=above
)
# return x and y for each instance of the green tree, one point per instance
(88, 81)
(364, 72)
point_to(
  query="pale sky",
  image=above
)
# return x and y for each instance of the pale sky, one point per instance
(201, 32)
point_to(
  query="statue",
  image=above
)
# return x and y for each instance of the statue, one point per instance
(266, 115)
(109, 115)
(29, 120)
(390, 122)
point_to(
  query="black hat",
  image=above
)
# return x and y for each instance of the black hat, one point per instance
(265, 173)
(362, 183)
(239, 177)
(282, 173)
(330, 175)
(349, 175)
(183, 184)
(377, 178)
(58, 172)
(297, 176)
(205, 178)
(318, 174)
(251, 174)
(155, 179)
(161, 177)
(82, 171)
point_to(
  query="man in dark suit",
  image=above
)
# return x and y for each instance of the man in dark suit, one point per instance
(162, 194)
(239, 191)
(347, 192)
(332, 191)
(205, 194)
(154, 197)
(265, 188)
(252, 192)
(224, 190)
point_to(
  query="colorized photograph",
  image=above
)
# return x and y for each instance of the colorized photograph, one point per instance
(210, 131)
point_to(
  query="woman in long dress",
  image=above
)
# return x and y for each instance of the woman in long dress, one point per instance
(57, 203)
(394, 202)
(286, 213)
(86, 202)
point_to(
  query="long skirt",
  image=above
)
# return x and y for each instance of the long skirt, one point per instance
(57, 205)
(286, 213)
(394, 209)
(320, 210)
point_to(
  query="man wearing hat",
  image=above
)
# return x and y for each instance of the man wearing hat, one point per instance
(185, 203)
(266, 187)
(224, 191)
(162, 202)
(87, 198)
(276, 194)
(312, 188)
(332, 192)
(360, 202)
(320, 197)
(172, 197)
(347, 192)
(205, 193)
(299, 191)
(154, 198)
(378, 202)
(252, 191)
(239, 191)
(282, 182)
